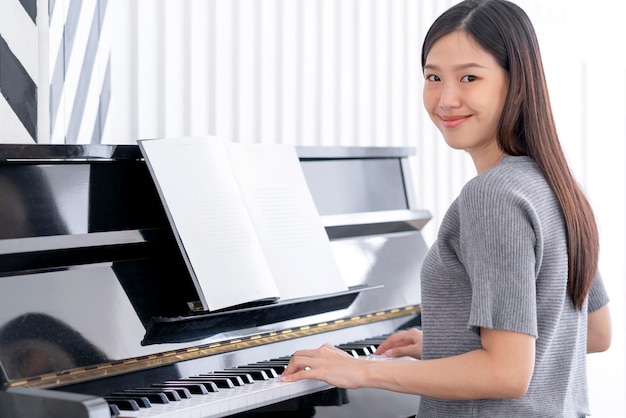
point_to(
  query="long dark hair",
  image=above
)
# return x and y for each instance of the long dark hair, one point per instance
(526, 125)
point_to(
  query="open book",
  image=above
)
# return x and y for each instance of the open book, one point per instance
(244, 220)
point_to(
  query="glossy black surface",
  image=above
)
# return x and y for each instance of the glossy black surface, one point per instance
(84, 247)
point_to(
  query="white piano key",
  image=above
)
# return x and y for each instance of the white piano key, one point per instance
(231, 401)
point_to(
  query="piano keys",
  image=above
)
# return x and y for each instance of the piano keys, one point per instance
(262, 390)
(96, 300)
(224, 392)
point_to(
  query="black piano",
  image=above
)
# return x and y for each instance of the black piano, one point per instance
(99, 315)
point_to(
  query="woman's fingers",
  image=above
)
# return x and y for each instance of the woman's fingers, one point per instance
(402, 343)
(398, 339)
(304, 359)
(326, 363)
(299, 361)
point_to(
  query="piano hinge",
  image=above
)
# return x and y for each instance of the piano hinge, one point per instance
(195, 306)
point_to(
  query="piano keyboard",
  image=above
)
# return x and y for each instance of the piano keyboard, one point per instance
(224, 392)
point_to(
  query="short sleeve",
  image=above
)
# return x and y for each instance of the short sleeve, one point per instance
(598, 297)
(498, 245)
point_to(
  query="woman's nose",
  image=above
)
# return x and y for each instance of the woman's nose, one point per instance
(449, 96)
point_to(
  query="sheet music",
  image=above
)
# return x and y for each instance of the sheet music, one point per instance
(293, 238)
(210, 220)
(244, 218)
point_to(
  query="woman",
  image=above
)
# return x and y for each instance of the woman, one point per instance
(511, 302)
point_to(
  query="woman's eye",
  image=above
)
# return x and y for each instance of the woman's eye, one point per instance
(432, 77)
(468, 78)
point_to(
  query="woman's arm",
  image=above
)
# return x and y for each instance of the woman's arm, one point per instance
(501, 369)
(599, 330)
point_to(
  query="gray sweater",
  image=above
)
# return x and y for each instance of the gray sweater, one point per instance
(500, 262)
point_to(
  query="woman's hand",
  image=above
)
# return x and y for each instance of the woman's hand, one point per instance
(327, 363)
(402, 343)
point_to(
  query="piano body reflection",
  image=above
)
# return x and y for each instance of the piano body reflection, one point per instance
(98, 315)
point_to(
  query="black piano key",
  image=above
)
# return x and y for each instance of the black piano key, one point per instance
(371, 347)
(192, 386)
(283, 361)
(270, 369)
(363, 344)
(246, 377)
(360, 350)
(283, 358)
(170, 395)
(257, 374)
(194, 389)
(374, 342)
(235, 379)
(220, 382)
(278, 367)
(115, 410)
(182, 392)
(152, 396)
(210, 386)
(350, 351)
(142, 401)
(123, 404)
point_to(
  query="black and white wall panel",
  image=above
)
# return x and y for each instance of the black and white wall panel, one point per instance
(18, 71)
(55, 60)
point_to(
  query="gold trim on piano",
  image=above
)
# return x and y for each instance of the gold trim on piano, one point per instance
(171, 357)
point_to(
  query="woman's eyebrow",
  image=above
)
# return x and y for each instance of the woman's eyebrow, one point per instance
(456, 67)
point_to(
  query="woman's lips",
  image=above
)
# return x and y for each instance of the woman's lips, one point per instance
(453, 121)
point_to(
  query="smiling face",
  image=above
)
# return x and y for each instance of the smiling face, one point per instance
(464, 94)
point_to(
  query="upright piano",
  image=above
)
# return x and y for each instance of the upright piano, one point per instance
(99, 315)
